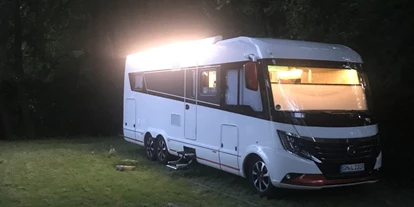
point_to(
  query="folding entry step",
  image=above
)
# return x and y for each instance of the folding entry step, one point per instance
(186, 158)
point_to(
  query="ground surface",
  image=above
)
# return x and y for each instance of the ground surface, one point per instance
(78, 172)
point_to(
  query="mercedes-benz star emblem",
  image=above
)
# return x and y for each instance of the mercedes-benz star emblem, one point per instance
(351, 150)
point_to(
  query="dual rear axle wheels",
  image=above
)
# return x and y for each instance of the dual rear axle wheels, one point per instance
(156, 149)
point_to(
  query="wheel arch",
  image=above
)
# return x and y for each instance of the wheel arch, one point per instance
(147, 134)
(156, 132)
(253, 151)
(246, 162)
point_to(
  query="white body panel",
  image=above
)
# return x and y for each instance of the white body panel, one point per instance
(224, 139)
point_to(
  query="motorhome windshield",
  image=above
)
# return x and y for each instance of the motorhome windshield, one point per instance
(311, 88)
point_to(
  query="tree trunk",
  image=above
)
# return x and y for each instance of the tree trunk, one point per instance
(4, 120)
(18, 68)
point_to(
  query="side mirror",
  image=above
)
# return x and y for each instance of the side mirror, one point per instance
(250, 73)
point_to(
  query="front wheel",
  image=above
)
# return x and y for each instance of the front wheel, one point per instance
(259, 178)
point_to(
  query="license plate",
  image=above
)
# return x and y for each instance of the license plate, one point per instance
(352, 168)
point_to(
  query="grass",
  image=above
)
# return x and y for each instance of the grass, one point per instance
(78, 172)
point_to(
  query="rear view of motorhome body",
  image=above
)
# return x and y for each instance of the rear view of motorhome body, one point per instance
(281, 113)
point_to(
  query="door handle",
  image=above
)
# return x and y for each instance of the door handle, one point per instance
(187, 106)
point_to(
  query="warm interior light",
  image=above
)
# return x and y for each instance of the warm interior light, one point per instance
(290, 74)
(275, 68)
(311, 88)
(285, 74)
(212, 79)
(352, 76)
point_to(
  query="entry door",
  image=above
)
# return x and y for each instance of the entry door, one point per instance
(190, 104)
(229, 148)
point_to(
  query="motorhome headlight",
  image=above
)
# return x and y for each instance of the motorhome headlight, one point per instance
(296, 144)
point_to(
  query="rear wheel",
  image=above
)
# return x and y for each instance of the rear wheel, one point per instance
(259, 178)
(163, 156)
(150, 148)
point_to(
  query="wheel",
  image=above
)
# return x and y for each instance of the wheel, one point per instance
(150, 148)
(163, 156)
(259, 178)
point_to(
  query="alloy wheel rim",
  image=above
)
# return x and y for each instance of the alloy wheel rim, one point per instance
(260, 176)
(150, 147)
(162, 149)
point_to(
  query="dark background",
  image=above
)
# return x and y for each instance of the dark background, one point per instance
(62, 61)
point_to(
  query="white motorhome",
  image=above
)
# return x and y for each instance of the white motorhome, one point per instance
(281, 113)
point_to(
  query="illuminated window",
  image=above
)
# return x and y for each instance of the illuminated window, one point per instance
(305, 75)
(208, 82)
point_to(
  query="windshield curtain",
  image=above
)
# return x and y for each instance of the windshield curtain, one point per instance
(317, 88)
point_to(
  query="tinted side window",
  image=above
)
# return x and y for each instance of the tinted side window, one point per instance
(136, 81)
(166, 82)
(191, 87)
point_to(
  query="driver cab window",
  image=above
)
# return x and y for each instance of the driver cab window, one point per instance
(237, 95)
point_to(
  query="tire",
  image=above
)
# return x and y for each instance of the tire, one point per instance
(150, 148)
(259, 178)
(163, 156)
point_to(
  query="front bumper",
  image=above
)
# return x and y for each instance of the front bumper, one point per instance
(319, 181)
(305, 174)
